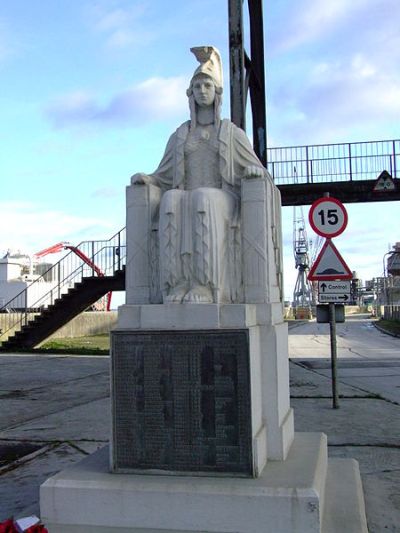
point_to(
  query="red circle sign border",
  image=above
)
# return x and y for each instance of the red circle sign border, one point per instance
(340, 205)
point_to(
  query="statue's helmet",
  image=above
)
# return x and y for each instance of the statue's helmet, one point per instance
(210, 65)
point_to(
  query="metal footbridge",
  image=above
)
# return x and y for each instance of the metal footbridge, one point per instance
(351, 172)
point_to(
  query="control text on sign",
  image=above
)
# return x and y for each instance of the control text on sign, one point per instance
(335, 287)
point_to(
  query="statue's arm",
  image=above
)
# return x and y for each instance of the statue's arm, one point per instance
(253, 171)
(142, 179)
(247, 164)
(163, 176)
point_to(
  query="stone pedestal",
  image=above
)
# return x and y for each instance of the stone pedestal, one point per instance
(274, 482)
(258, 370)
(304, 494)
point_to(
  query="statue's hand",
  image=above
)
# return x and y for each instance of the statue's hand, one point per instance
(141, 179)
(253, 171)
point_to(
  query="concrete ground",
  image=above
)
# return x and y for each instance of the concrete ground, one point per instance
(56, 410)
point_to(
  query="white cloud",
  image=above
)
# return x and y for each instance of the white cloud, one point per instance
(309, 19)
(151, 100)
(355, 88)
(332, 70)
(110, 20)
(35, 228)
(122, 38)
(362, 67)
(161, 97)
(75, 107)
(347, 94)
(8, 45)
(122, 27)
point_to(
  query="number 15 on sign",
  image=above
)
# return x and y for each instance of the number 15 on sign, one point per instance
(328, 217)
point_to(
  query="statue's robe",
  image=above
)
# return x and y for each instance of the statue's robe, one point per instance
(199, 237)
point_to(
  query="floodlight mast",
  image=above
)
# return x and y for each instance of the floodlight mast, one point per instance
(247, 74)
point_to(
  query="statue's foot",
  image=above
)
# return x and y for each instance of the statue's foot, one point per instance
(175, 295)
(199, 295)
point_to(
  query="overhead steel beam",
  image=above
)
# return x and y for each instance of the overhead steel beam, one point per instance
(347, 192)
(247, 74)
(236, 64)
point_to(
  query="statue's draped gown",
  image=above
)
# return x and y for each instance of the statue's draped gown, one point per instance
(200, 175)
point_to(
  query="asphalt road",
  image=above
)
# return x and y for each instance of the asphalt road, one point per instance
(366, 426)
(356, 338)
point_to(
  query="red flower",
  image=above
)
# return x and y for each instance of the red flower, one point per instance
(8, 527)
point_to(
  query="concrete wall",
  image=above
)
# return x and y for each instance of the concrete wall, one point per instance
(88, 323)
(96, 323)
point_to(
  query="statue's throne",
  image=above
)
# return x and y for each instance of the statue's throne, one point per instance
(254, 245)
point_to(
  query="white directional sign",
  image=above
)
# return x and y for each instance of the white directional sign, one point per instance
(328, 217)
(334, 291)
(334, 287)
(333, 298)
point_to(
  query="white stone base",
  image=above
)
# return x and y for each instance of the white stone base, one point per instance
(272, 417)
(287, 498)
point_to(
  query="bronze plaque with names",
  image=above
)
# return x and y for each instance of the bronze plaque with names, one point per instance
(181, 402)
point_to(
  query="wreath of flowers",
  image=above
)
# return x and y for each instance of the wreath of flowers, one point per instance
(8, 526)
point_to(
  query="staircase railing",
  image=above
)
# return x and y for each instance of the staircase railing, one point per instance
(106, 256)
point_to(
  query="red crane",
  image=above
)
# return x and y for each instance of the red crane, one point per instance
(66, 246)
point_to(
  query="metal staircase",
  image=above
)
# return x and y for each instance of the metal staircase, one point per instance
(78, 284)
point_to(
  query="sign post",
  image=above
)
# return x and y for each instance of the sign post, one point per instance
(332, 330)
(328, 218)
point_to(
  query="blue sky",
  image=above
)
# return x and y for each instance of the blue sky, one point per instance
(91, 91)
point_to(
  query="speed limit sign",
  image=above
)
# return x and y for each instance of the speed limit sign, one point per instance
(328, 217)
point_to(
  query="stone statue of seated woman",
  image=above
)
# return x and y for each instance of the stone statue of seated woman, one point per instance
(199, 177)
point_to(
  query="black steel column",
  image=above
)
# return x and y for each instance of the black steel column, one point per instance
(257, 79)
(236, 64)
(247, 73)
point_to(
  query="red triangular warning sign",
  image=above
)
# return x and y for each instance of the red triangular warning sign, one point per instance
(329, 265)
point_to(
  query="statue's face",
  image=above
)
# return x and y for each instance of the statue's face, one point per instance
(203, 90)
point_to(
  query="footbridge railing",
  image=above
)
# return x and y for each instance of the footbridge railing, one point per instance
(334, 162)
